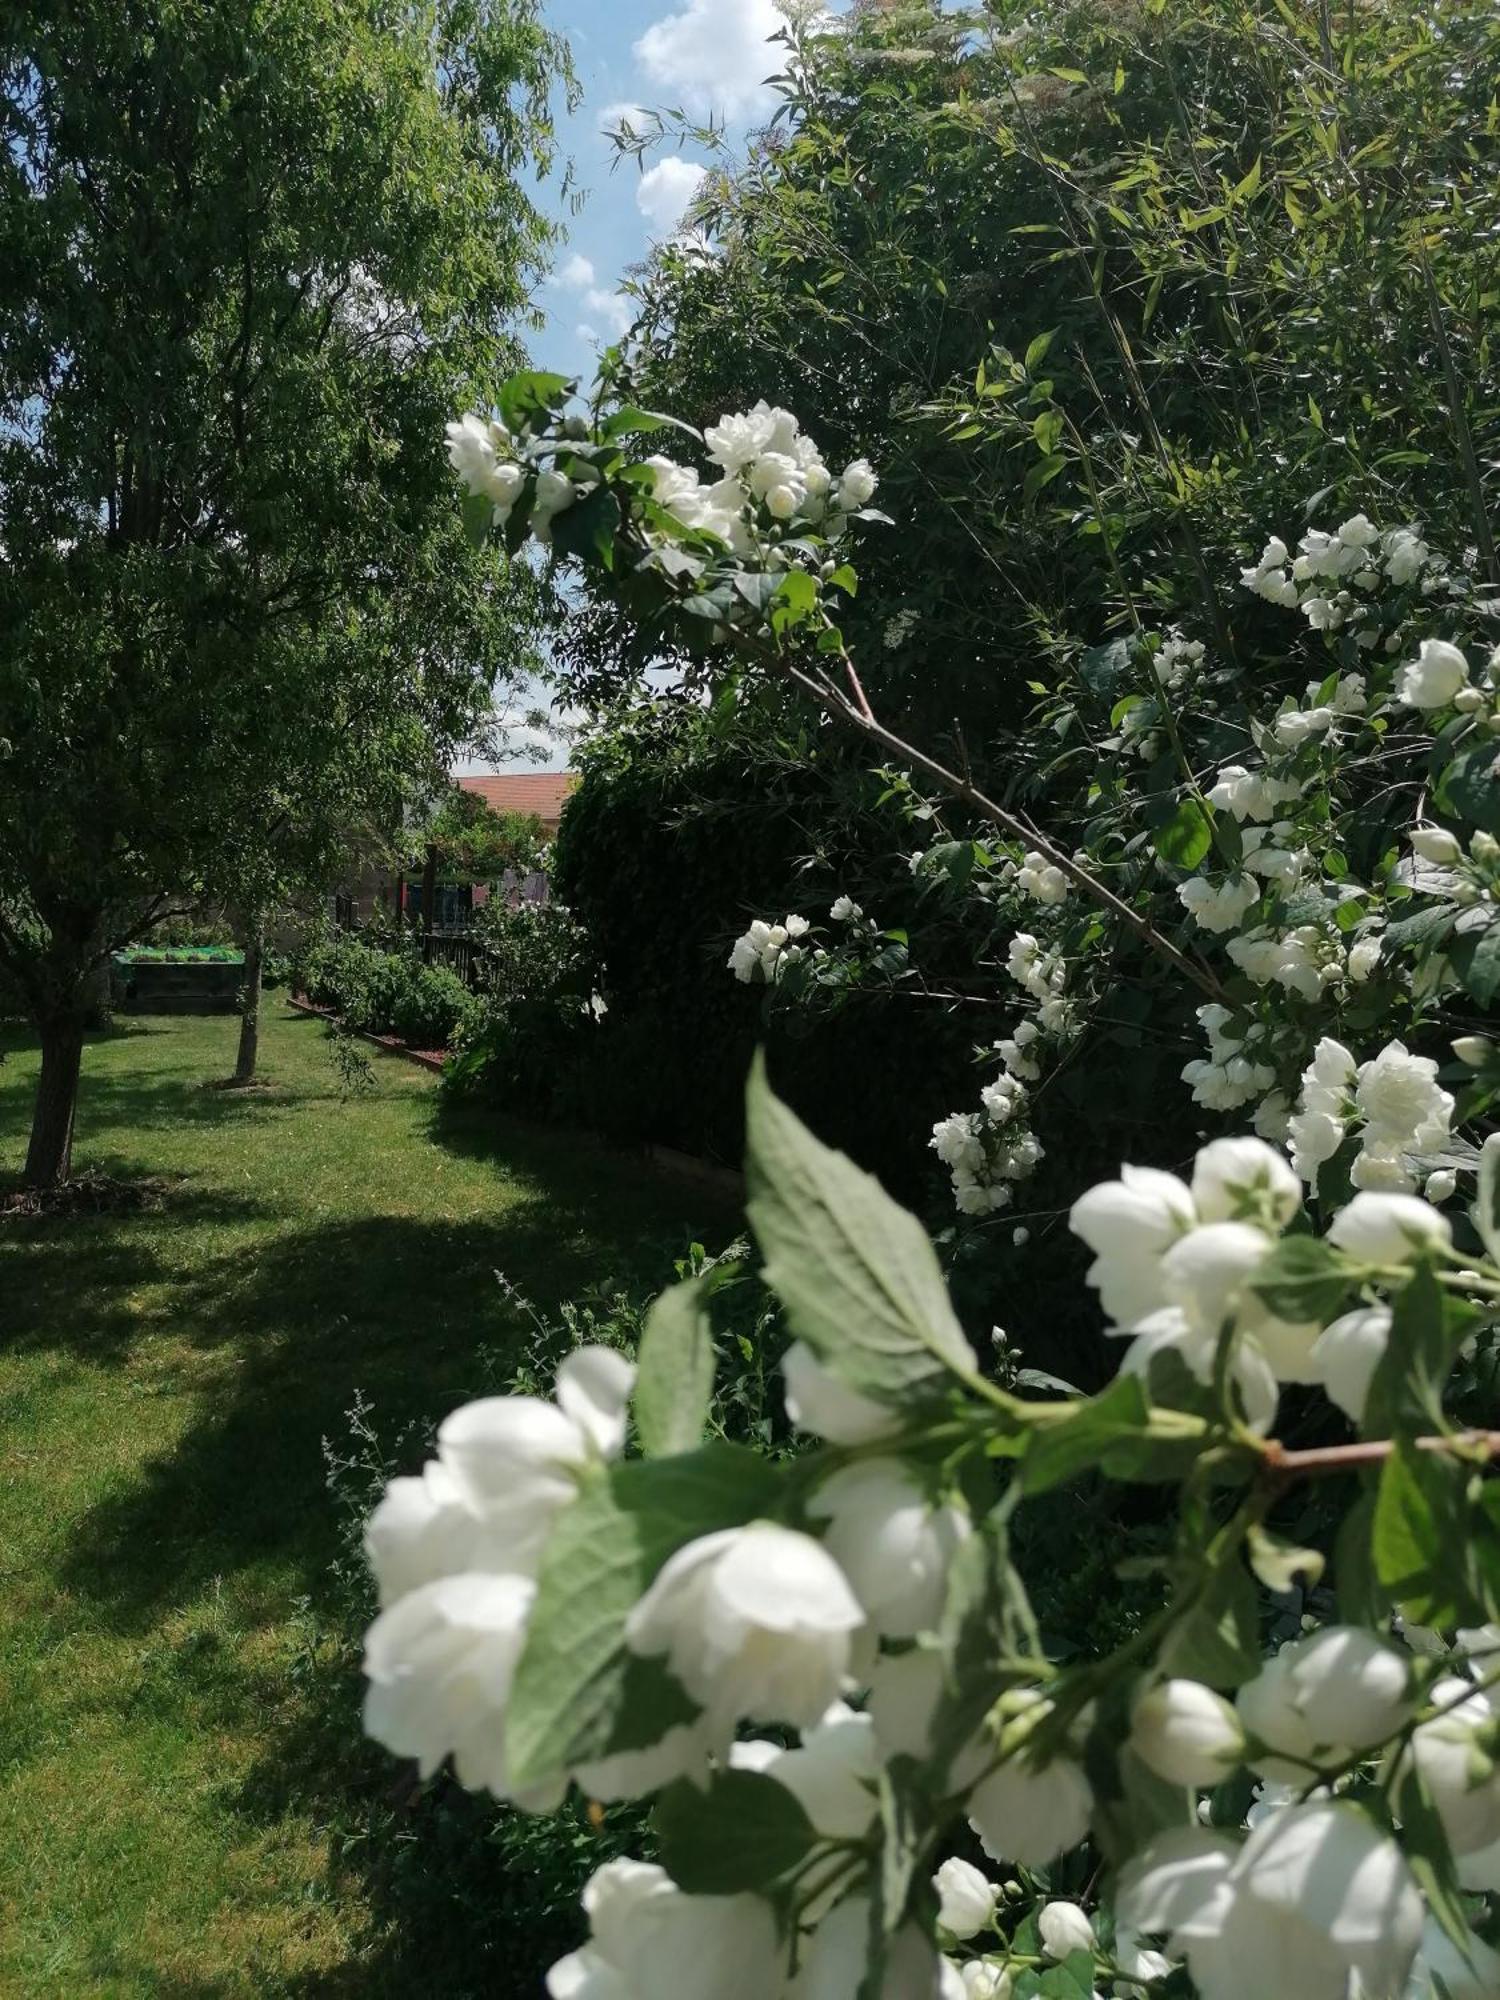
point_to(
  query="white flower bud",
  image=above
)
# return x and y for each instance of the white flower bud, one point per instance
(1186, 1733)
(1473, 1050)
(1063, 1928)
(1388, 1228)
(1435, 844)
(966, 1899)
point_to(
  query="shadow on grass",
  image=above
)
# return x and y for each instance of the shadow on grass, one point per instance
(392, 1309)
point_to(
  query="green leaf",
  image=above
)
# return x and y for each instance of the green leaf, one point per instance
(674, 1382)
(1487, 1206)
(857, 1274)
(1468, 788)
(1218, 1640)
(1280, 1565)
(479, 517)
(577, 1689)
(1424, 1842)
(796, 596)
(1250, 185)
(532, 394)
(630, 421)
(1429, 1538)
(1475, 957)
(1302, 1279)
(988, 1633)
(1113, 1433)
(742, 1831)
(1036, 353)
(1427, 1330)
(1187, 836)
(588, 528)
(1041, 474)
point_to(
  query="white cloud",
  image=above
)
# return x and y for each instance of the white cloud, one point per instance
(714, 55)
(664, 192)
(574, 274)
(624, 112)
(609, 307)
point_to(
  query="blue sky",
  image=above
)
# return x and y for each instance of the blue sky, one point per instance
(707, 58)
(702, 56)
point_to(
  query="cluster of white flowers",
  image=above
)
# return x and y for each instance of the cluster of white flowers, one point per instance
(811, 1629)
(988, 1150)
(1333, 576)
(1395, 1103)
(1042, 879)
(768, 468)
(766, 950)
(1232, 1073)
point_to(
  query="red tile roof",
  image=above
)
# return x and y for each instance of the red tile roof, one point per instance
(539, 792)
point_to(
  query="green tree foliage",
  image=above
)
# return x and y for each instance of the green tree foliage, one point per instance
(255, 257)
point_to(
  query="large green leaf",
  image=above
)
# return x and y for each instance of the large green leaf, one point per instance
(741, 1831)
(674, 1381)
(533, 394)
(1186, 838)
(578, 1691)
(857, 1274)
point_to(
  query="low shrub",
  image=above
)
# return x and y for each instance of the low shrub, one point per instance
(383, 992)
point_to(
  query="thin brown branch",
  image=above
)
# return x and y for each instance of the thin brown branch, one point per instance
(840, 709)
(1281, 1464)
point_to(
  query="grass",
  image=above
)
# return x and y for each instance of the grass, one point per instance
(185, 1806)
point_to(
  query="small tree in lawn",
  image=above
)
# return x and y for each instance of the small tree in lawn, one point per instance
(252, 260)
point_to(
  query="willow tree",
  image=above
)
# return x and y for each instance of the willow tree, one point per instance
(257, 251)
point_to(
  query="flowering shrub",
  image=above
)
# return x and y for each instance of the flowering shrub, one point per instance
(558, 1610)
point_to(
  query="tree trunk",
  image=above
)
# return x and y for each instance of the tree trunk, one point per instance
(49, 1158)
(255, 951)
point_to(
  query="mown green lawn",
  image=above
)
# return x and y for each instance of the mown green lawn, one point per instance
(178, 1814)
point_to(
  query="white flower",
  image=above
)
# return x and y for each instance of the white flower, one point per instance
(958, 1141)
(1238, 1178)
(836, 1954)
(506, 1467)
(1296, 726)
(1341, 1689)
(1434, 677)
(1363, 959)
(1405, 553)
(1218, 907)
(1029, 1812)
(1316, 1893)
(1042, 880)
(1448, 1971)
(845, 910)
(1186, 1733)
(554, 493)
(1205, 1272)
(646, 1939)
(832, 1775)
(1399, 1098)
(1167, 1331)
(1346, 1354)
(1251, 795)
(439, 1664)
(1389, 1228)
(966, 1899)
(1435, 844)
(1063, 1928)
(1130, 1224)
(755, 1622)
(735, 440)
(890, 1543)
(985, 1980)
(856, 487)
(818, 1402)
(1464, 1785)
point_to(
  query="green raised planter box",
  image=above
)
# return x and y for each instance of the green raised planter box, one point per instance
(187, 980)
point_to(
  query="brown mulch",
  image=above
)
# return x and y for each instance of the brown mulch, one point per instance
(89, 1194)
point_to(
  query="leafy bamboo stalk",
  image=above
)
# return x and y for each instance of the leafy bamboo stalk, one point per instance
(1461, 431)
